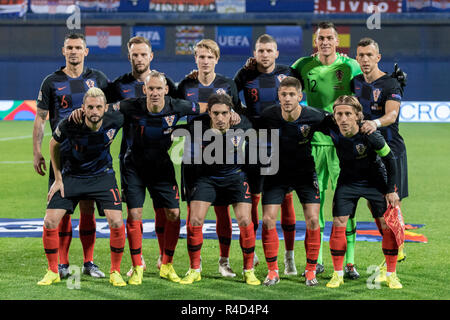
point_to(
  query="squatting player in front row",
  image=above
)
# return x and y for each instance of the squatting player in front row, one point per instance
(368, 170)
(87, 173)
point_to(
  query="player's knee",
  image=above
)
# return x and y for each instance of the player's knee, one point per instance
(312, 223)
(195, 221)
(268, 222)
(172, 214)
(135, 214)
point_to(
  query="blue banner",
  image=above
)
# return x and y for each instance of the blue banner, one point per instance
(134, 5)
(289, 39)
(32, 228)
(280, 6)
(156, 36)
(234, 40)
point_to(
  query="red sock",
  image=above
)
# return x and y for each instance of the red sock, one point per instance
(117, 243)
(134, 235)
(171, 234)
(194, 244)
(270, 246)
(50, 239)
(390, 249)
(338, 247)
(255, 215)
(224, 229)
(88, 228)
(65, 238)
(288, 221)
(247, 240)
(312, 244)
(160, 222)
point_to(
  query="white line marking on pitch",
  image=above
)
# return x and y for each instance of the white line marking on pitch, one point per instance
(20, 137)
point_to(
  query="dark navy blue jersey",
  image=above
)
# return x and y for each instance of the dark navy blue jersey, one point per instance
(260, 89)
(127, 86)
(364, 158)
(221, 154)
(294, 137)
(149, 137)
(193, 90)
(61, 94)
(373, 97)
(89, 153)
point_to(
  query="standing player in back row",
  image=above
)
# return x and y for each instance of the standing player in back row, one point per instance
(62, 92)
(199, 89)
(324, 78)
(380, 95)
(259, 82)
(131, 85)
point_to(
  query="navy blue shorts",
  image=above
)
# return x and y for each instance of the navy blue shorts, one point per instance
(277, 186)
(102, 189)
(161, 184)
(222, 191)
(347, 195)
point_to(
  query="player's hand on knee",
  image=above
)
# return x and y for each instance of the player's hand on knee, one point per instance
(76, 116)
(39, 164)
(56, 186)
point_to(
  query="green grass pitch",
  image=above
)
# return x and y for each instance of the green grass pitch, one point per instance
(424, 274)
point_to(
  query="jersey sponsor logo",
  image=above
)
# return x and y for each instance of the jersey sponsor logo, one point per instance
(190, 94)
(339, 75)
(110, 133)
(281, 77)
(304, 130)
(61, 88)
(169, 120)
(360, 148)
(376, 94)
(90, 83)
(126, 90)
(221, 91)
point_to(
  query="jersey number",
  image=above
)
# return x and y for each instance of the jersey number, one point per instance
(254, 94)
(64, 103)
(312, 85)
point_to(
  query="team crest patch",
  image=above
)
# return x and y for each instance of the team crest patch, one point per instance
(169, 120)
(339, 75)
(376, 94)
(221, 91)
(360, 148)
(110, 133)
(304, 129)
(236, 140)
(90, 83)
(281, 77)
